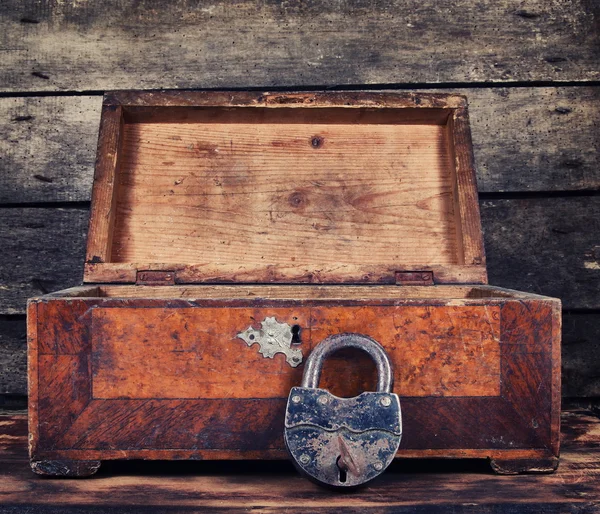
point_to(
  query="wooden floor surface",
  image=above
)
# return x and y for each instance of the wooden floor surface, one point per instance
(452, 486)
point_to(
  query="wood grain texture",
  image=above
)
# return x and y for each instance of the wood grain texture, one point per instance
(460, 356)
(528, 361)
(220, 272)
(467, 218)
(67, 331)
(507, 466)
(258, 191)
(558, 256)
(580, 362)
(295, 293)
(535, 138)
(47, 148)
(581, 355)
(222, 45)
(104, 191)
(524, 139)
(523, 238)
(65, 468)
(157, 355)
(168, 378)
(13, 357)
(32, 371)
(451, 486)
(43, 250)
(381, 182)
(234, 429)
(140, 104)
(63, 381)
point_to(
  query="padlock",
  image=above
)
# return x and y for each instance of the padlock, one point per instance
(343, 442)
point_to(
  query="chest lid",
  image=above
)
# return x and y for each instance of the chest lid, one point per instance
(250, 187)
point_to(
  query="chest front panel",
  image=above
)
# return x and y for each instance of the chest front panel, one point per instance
(144, 376)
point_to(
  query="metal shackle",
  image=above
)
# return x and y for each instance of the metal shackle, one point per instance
(314, 363)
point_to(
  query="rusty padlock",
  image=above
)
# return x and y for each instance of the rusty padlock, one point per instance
(343, 442)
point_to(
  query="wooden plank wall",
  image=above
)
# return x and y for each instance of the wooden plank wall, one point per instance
(530, 68)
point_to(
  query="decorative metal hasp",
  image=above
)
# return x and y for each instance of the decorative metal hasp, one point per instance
(273, 338)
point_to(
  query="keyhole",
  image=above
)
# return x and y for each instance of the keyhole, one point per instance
(296, 334)
(342, 472)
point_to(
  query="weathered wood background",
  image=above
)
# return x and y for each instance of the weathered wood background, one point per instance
(530, 68)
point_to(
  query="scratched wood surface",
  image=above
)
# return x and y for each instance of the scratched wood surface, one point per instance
(13, 357)
(547, 140)
(134, 45)
(255, 188)
(581, 347)
(581, 333)
(292, 292)
(201, 183)
(408, 486)
(159, 378)
(165, 362)
(522, 239)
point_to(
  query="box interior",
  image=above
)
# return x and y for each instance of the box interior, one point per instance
(286, 186)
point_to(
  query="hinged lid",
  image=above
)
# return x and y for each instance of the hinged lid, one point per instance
(332, 187)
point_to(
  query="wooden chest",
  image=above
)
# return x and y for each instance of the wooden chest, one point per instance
(220, 217)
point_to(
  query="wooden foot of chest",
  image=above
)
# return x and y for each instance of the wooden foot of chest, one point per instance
(65, 468)
(87, 468)
(517, 466)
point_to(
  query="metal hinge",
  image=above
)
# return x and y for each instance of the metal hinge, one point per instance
(155, 278)
(414, 278)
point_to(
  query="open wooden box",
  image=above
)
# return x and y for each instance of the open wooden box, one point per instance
(330, 212)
